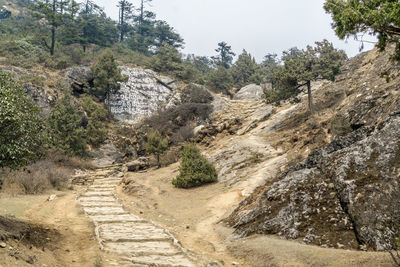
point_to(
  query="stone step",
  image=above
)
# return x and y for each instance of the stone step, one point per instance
(100, 204)
(132, 231)
(97, 194)
(102, 186)
(90, 189)
(104, 210)
(97, 199)
(108, 179)
(159, 260)
(120, 218)
(163, 248)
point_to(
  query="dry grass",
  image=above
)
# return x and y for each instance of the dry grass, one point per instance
(51, 173)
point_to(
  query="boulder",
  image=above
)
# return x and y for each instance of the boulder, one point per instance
(79, 77)
(250, 92)
(139, 164)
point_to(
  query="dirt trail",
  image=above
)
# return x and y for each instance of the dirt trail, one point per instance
(137, 242)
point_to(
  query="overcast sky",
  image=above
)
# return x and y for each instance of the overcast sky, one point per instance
(259, 26)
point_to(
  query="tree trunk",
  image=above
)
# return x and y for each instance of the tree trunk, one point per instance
(310, 103)
(141, 17)
(122, 18)
(53, 40)
(158, 161)
(53, 29)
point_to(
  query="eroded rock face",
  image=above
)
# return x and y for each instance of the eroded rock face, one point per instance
(142, 95)
(79, 78)
(350, 188)
(251, 92)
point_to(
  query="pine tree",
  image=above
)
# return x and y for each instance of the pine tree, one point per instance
(303, 66)
(195, 170)
(167, 60)
(156, 145)
(244, 70)
(64, 126)
(225, 55)
(53, 13)
(107, 75)
(380, 17)
(95, 131)
(125, 14)
(220, 80)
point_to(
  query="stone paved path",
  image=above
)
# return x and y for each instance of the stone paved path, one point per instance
(137, 242)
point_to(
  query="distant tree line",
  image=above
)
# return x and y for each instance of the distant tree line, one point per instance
(69, 22)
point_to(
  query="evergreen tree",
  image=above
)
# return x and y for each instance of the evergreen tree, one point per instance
(270, 66)
(156, 145)
(21, 130)
(93, 27)
(303, 66)
(125, 14)
(143, 38)
(95, 131)
(225, 55)
(244, 70)
(195, 170)
(142, 16)
(64, 126)
(201, 63)
(168, 60)
(164, 33)
(53, 12)
(107, 75)
(380, 17)
(220, 80)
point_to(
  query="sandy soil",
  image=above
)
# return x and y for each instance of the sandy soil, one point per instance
(75, 245)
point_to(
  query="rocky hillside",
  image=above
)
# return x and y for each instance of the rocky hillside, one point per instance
(345, 194)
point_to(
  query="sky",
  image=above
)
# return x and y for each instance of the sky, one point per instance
(259, 26)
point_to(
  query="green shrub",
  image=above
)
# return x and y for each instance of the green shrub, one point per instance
(220, 80)
(156, 145)
(194, 93)
(169, 121)
(195, 170)
(64, 126)
(22, 137)
(107, 75)
(96, 131)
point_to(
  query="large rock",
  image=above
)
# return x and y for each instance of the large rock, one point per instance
(144, 93)
(139, 164)
(344, 195)
(40, 98)
(250, 92)
(79, 77)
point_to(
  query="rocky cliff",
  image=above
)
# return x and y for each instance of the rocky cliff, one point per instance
(143, 94)
(345, 194)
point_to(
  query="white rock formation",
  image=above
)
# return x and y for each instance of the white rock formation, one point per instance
(143, 94)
